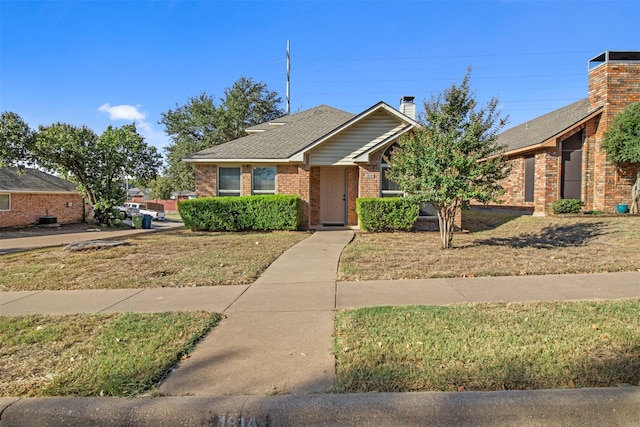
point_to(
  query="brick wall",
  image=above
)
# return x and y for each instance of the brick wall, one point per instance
(352, 194)
(206, 180)
(369, 176)
(26, 209)
(613, 86)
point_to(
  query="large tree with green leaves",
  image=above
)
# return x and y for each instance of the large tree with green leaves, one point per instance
(453, 157)
(203, 122)
(98, 164)
(622, 145)
(15, 138)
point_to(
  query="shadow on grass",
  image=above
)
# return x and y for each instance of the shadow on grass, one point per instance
(599, 370)
(477, 220)
(551, 237)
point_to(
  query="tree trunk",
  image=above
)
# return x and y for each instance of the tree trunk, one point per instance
(635, 193)
(446, 218)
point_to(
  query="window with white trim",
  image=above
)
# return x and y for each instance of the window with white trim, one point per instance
(229, 181)
(264, 180)
(5, 202)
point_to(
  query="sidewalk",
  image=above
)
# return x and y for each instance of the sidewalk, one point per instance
(277, 339)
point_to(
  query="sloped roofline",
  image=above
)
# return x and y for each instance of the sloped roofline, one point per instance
(299, 156)
(552, 140)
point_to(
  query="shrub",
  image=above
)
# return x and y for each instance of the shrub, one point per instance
(567, 206)
(387, 214)
(268, 212)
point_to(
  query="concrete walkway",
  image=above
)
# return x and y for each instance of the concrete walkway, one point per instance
(276, 339)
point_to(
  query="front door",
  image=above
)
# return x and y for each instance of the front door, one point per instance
(333, 196)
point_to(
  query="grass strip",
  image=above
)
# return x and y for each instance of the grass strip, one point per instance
(492, 346)
(123, 354)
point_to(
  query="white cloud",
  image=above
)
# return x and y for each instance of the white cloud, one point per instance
(123, 112)
(132, 113)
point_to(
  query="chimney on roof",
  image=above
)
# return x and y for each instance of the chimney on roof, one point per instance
(408, 106)
(614, 81)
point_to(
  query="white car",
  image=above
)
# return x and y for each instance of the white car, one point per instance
(141, 208)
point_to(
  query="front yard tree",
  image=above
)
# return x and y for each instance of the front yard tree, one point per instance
(203, 123)
(453, 157)
(97, 163)
(15, 139)
(622, 145)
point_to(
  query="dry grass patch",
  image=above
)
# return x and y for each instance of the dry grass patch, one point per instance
(499, 245)
(488, 347)
(94, 355)
(169, 259)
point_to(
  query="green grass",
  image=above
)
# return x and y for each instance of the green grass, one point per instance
(488, 347)
(94, 355)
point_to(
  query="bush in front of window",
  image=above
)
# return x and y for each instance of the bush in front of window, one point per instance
(268, 212)
(387, 214)
(567, 206)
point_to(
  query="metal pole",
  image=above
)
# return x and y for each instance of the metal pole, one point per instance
(288, 106)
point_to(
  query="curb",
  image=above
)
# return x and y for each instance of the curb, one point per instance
(579, 407)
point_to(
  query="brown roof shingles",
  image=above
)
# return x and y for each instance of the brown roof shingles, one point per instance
(542, 128)
(279, 142)
(33, 180)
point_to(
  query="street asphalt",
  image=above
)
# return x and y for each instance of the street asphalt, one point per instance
(270, 361)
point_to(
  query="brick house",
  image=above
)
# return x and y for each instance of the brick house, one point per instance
(24, 198)
(559, 155)
(327, 156)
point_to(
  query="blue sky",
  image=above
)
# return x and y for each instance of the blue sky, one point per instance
(116, 62)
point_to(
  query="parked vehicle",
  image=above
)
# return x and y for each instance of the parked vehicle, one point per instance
(154, 209)
(126, 211)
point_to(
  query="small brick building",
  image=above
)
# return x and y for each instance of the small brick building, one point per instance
(559, 155)
(327, 156)
(24, 198)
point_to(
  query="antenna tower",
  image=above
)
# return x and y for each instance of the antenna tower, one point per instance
(288, 106)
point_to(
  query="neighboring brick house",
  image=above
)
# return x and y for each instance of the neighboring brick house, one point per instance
(24, 198)
(559, 155)
(327, 156)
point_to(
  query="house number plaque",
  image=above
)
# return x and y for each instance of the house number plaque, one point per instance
(369, 176)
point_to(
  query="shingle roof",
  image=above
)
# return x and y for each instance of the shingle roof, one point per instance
(544, 127)
(279, 142)
(33, 180)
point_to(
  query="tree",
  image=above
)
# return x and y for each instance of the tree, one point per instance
(453, 157)
(160, 188)
(97, 164)
(622, 145)
(202, 123)
(15, 139)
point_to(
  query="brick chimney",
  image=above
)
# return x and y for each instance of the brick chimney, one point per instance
(408, 106)
(614, 81)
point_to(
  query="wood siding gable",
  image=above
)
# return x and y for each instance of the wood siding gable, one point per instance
(343, 148)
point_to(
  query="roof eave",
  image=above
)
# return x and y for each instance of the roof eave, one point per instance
(299, 156)
(364, 157)
(552, 141)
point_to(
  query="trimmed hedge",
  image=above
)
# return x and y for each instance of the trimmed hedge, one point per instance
(567, 206)
(268, 212)
(387, 214)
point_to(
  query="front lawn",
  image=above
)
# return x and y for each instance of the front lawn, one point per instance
(122, 354)
(174, 258)
(493, 346)
(498, 245)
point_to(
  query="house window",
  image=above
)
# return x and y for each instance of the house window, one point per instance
(529, 177)
(5, 202)
(388, 188)
(264, 180)
(229, 181)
